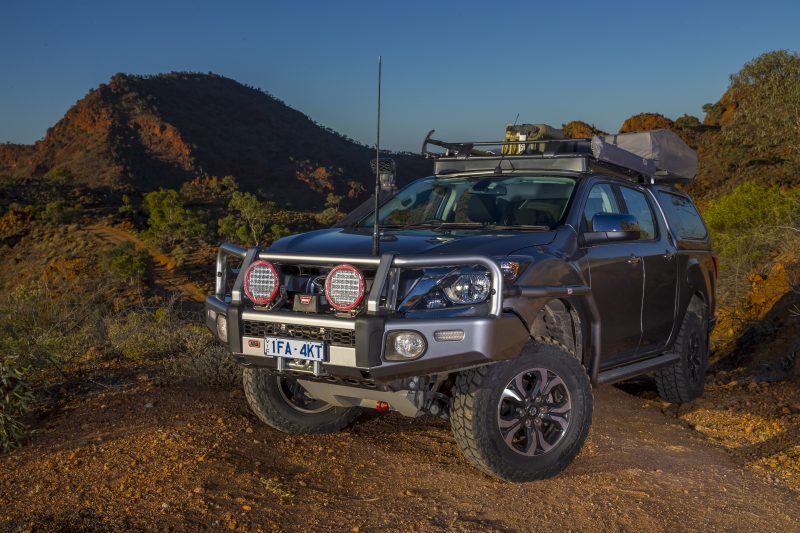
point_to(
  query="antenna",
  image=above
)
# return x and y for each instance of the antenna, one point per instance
(376, 230)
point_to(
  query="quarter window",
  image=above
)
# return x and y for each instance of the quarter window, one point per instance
(682, 216)
(637, 205)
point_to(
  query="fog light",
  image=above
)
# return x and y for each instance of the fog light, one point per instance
(405, 345)
(449, 335)
(222, 328)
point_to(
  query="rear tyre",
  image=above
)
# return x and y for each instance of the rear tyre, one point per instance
(281, 402)
(685, 380)
(526, 418)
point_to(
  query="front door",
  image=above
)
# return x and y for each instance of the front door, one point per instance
(660, 272)
(616, 280)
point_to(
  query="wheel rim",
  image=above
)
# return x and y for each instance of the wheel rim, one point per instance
(298, 399)
(693, 357)
(534, 410)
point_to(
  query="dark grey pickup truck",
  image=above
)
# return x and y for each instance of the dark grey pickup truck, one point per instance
(519, 275)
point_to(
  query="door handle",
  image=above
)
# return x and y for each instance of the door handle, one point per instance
(668, 255)
(634, 259)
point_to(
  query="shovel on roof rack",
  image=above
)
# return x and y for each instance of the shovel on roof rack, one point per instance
(452, 149)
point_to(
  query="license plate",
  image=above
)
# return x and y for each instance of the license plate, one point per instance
(294, 348)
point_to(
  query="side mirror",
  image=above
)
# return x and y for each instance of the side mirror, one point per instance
(612, 227)
(386, 170)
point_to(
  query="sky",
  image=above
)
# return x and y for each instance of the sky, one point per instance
(463, 68)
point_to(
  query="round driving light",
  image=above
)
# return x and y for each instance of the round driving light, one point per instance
(344, 287)
(405, 345)
(222, 328)
(261, 282)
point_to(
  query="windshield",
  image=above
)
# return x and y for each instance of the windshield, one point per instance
(517, 201)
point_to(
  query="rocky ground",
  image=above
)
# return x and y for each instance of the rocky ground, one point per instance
(139, 456)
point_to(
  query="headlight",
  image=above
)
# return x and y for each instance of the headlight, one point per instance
(469, 288)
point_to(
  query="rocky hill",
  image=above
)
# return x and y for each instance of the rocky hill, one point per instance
(145, 132)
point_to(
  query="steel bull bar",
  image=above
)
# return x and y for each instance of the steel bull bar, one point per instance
(492, 337)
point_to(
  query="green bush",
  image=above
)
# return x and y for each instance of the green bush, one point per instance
(125, 262)
(247, 219)
(766, 93)
(144, 333)
(751, 222)
(57, 212)
(42, 326)
(751, 227)
(169, 221)
(16, 399)
(687, 122)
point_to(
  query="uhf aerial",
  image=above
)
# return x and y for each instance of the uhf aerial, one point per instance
(384, 175)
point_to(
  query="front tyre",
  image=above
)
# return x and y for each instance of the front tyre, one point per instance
(526, 418)
(281, 402)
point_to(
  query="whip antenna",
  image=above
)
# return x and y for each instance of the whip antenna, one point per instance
(376, 234)
(385, 171)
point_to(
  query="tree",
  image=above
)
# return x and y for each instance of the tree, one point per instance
(170, 222)
(766, 118)
(687, 122)
(247, 218)
(331, 212)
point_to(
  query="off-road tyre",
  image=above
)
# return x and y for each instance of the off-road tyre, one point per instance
(684, 380)
(478, 401)
(268, 395)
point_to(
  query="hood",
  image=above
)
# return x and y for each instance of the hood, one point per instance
(358, 242)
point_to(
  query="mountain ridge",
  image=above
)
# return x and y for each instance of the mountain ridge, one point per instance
(147, 132)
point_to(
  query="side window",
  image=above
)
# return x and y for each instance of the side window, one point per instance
(637, 205)
(601, 200)
(682, 216)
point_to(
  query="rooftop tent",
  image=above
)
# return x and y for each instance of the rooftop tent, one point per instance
(660, 154)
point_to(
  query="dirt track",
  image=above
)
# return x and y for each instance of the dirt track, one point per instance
(164, 273)
(144, 457)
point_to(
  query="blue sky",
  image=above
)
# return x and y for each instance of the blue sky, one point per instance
(464, 68)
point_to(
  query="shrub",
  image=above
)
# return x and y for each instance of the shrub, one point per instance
(247, 219)
(687, 122)
(204, 361)
(168, 219)
(57, 212)
(751, 228)
(751, 222)
(145, 333)
(125, 262)
(766, 94)
(43, 327)
(210, 189)
(15, 402)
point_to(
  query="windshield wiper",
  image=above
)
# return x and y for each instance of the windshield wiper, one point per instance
(484, 225)
(410, 226)
(517, 226)
(466, 225)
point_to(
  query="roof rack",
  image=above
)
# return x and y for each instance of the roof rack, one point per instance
(657, 156)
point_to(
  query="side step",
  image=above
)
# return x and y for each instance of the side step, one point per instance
(641, 367)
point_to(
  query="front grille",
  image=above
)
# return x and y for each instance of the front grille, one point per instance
(334, 336)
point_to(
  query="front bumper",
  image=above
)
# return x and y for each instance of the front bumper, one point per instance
(361, 355)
